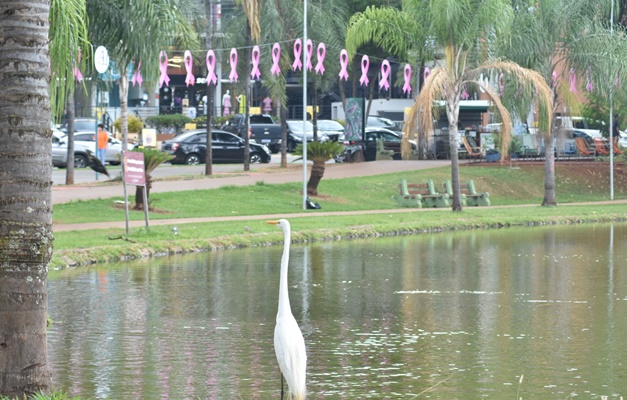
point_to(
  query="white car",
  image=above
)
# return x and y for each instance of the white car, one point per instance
(114, 149)
(622, 141)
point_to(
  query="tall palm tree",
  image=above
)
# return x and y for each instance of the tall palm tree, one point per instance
(555, 36)
(466, 30)
(123, 26)
(25, 196)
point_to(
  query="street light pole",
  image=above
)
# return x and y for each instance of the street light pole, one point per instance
(611, 110)
(305, 106)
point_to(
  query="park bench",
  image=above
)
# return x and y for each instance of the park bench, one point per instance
(421, 195)
(382, 153)
(468, 194)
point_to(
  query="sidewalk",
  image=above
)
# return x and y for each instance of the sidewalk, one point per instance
(65, 194)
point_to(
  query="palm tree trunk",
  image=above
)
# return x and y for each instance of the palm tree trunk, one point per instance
(139, 194)
(69, 171)
(124, 106)
(25, 197)
(317, 172)
(452, 112)
(549, 172)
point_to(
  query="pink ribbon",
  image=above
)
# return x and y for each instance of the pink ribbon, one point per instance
(163, 67)
(426, 73)
(211, 68)
(309, 49)
(276, 56)
(137, 75)
(255, 73)
(554, 75)
(77, 72)
(298, 48)
(187, 59)
(233, 57)
(344, 64)
(407, 76)
(385, 75)
(573, 80)
(589, 85)
(322, 51)
(365, 63)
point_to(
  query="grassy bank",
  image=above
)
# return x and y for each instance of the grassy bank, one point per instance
(509, 189)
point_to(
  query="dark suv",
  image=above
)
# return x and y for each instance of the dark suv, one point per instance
(191, 148)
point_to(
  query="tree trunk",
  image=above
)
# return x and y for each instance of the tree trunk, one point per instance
(452, 112)
(549, 172)
(247, 92)
(25, 197)
(317, 171)
(210, 90)
(69, 169)
(139, 194)
(314, 117)
(124, 107)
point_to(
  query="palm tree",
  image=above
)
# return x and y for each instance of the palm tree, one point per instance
(560, 35)
(25, 196)
(318, 153)
(466, 30)
(123, 26)
(152, 159)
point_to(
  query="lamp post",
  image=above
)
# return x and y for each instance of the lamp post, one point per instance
(611, 110)
(305, 106)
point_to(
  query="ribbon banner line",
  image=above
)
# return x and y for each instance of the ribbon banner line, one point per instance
(309, 49)
(256, 56)
(385, 75)
(211, 68)
(298, 51)
(137, 75)
(276, 56)
(322, 52)
(187, 59)
(344, 65)
(233, 58)
(407, 77)
(365, 63)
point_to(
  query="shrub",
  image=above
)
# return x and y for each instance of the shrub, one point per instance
(168, 121)
(135, 124)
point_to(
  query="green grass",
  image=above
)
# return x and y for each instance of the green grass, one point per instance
(507, 187)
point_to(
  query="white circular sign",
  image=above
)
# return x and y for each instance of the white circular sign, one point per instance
(101, 59)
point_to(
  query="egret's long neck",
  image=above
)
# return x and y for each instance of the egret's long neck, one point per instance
(284, 299)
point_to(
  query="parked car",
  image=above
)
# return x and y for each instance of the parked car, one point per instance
(333, 129)
(59, 151)
(391, 141)
(114, 148)
(295, 133)
(83, 125)
(380, 122)
(191, 148)
(622, 140)
(262, 129)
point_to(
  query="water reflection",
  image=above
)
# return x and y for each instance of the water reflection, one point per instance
(443, 316)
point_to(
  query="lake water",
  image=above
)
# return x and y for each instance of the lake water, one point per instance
(537, 313)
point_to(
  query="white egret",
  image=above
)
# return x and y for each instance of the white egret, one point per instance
(289, 344)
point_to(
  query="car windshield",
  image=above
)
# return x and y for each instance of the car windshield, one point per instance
(297, 126)
(377, 121)
(330, 125)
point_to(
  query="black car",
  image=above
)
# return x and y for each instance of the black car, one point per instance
(191, 148)
(391, 141)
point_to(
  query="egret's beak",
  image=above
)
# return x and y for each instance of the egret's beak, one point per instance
(272, 222)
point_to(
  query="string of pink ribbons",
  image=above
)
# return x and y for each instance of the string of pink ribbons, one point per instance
(275, 69)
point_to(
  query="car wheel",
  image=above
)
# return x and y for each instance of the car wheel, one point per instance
(114, 162)
(290, 147)
(80, 161)
(275, 149)
(192, 159)
(255, 158)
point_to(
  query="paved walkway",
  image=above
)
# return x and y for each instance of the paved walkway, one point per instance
(64, 194)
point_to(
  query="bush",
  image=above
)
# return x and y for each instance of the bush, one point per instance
(168, 121)
(135, 124)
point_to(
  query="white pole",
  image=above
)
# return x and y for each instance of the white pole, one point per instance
(305, 106)
(611, 111)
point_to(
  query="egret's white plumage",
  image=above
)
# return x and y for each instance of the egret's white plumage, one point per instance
(289, 344)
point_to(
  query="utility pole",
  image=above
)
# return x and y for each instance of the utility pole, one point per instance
(209, 103)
